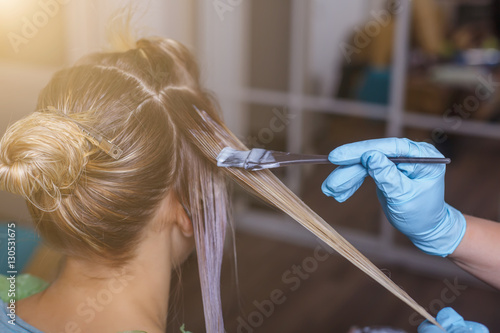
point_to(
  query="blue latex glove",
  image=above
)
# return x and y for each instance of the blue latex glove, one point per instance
(452, 322)
(411, 195)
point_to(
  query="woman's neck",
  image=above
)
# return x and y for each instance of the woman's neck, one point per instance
(101, 299)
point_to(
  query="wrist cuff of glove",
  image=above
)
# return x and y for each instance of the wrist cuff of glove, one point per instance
(443, 239)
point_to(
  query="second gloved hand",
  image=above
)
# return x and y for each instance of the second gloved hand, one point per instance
(452, 322)
(411, 195)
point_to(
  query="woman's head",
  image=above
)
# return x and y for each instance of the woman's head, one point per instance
(86, 203)
(83, 201)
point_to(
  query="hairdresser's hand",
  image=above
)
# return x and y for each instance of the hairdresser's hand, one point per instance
(411, 195)
(452, 322)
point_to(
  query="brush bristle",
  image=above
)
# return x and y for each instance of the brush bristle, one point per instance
(232, 158)
(253, 160)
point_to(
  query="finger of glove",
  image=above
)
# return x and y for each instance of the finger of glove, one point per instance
(391, 182)
(351, 153)
(422, 170)
(344, 181)
(447, 317)
(427, 327)
(452, 322)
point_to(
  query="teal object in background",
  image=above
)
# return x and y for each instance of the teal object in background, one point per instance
(374, 87)
(26, 242)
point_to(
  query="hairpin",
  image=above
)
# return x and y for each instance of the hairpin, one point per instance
(94, 137)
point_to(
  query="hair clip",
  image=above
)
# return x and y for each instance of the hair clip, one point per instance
(94, 137)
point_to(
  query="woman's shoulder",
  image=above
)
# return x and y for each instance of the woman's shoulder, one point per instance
(9, 322)
(12, 289)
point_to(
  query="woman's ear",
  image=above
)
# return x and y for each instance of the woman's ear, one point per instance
(172, 213)
(183, 221)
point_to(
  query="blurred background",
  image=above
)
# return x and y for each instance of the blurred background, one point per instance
(304, 76)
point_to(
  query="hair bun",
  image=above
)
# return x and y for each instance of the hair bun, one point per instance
(40, 156)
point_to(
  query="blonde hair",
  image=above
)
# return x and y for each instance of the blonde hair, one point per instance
(88, 204)
(148, 101)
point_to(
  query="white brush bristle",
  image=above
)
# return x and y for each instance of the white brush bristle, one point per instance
(232, 158)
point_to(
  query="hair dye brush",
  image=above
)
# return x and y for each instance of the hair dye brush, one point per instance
(258, 159)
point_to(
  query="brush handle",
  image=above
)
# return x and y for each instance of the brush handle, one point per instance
(291, 159)
(443, 160)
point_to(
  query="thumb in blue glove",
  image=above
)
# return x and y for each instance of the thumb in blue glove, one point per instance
(452, 322)
(411, 195)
